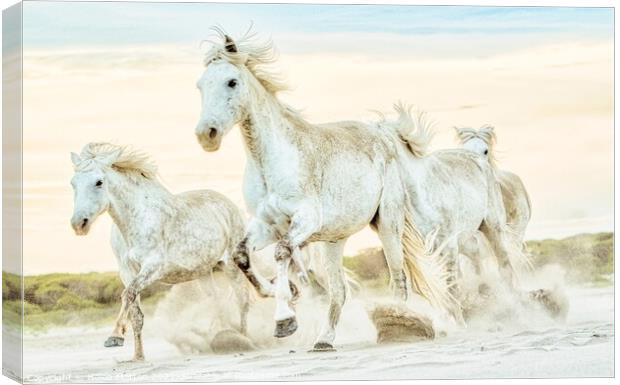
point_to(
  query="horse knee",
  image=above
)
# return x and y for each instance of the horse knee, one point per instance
(284, 251)
(129, 295)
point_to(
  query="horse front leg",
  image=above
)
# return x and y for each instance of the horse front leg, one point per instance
(117, 338)
(137, 321)
(257, 237)
(127, 274)
(130, 298)
(303, 225)
(286, 323)
(337, 295)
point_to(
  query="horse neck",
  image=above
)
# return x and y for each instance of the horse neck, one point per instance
(266, 126)
(133, 200)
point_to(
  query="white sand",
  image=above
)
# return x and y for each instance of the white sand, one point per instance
(580, 347)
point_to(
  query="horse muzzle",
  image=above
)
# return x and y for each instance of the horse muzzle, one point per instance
(210, 138)
(81, 225)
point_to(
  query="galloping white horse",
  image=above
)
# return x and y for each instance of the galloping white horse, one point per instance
(456, 192)
(516, 199)
(306, 183)
(157, 236)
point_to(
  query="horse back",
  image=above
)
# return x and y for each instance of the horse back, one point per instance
(212, 203)
(450, 189)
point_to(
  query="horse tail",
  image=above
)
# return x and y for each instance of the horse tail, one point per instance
(426, 268)
(414, 129)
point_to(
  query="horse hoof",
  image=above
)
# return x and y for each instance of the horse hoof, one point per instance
(285, 327)
(553, 301)
(113, 341)
(323, 347)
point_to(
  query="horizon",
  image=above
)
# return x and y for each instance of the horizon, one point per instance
(345, 256)
(542, 76)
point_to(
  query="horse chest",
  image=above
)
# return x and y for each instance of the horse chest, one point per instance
(274, 185)
(281, 170)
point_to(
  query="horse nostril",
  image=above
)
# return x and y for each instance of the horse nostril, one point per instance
(84, 222)
(212, 132)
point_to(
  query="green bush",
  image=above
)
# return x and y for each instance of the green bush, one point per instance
(71, 301)
(369, 264)
(11, 286)
(47, 294)
(585, 257)
(68, 299)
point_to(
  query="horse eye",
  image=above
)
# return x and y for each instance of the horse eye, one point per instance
(486, 152)
(232, 83)
(99, 183)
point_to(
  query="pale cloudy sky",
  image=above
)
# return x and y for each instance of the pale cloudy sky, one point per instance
(126, 73)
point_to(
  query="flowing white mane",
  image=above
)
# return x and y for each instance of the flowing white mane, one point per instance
(486, 133)
(257, 57)
(414, 129)
(128, 161)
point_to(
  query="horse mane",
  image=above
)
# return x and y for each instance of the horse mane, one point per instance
(131, 162)
(486, 133)
(257, 57)
(414, 129)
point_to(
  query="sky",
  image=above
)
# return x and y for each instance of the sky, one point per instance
(50, 24)
(126, 73)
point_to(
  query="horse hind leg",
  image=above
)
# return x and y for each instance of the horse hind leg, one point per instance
(450, 253)
(507, 249)
(240, 288)
(511, 260)
(389, 223)
(337, 295)
(394, 256)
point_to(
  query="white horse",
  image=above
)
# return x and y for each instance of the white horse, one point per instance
(157, 236)
(516, 199)
(307, 183)
(518, 209)
(456, 192)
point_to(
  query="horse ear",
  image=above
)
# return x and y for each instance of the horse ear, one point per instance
(458, 130)
(75, 158)
(229, 44)
(112, 157)
(488, 128)
(489, 131)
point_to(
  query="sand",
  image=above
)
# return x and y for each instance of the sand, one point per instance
(581, 346)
